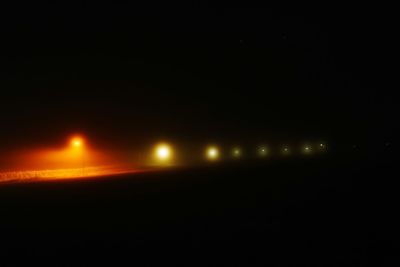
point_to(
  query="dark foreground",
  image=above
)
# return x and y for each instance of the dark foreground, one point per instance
(322, 212)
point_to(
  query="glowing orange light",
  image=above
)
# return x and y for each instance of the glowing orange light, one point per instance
(64, 174)
(76, 142)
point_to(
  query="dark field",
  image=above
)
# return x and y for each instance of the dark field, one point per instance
(325, 211)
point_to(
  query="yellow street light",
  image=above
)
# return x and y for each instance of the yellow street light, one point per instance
(285, 150)
(212, 153)
(237, 152)
(163, 152)
(307, 149)
(262, 151)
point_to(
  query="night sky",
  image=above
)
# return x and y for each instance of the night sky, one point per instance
(124, 74)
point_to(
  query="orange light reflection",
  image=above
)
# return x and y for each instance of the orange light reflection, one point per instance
(65, 174)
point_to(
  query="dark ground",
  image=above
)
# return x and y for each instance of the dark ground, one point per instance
(326, 211)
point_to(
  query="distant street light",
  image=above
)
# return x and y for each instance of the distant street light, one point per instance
(307, 149)
(285, 150)
(262, 151)
(322, 146)
(237, 152)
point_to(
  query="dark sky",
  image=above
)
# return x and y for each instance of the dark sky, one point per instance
(125, 74)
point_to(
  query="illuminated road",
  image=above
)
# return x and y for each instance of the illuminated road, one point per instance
(64, 174)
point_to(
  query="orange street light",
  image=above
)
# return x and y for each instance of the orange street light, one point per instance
(76, 142)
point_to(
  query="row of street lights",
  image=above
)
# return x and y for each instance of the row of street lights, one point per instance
(163, 152)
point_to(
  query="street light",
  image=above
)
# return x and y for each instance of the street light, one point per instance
(307, 149)
(322, 147)
(236, 152)
(77, 144)
(212, 153)
(262, 151)
(163, 152)
(285, 150)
